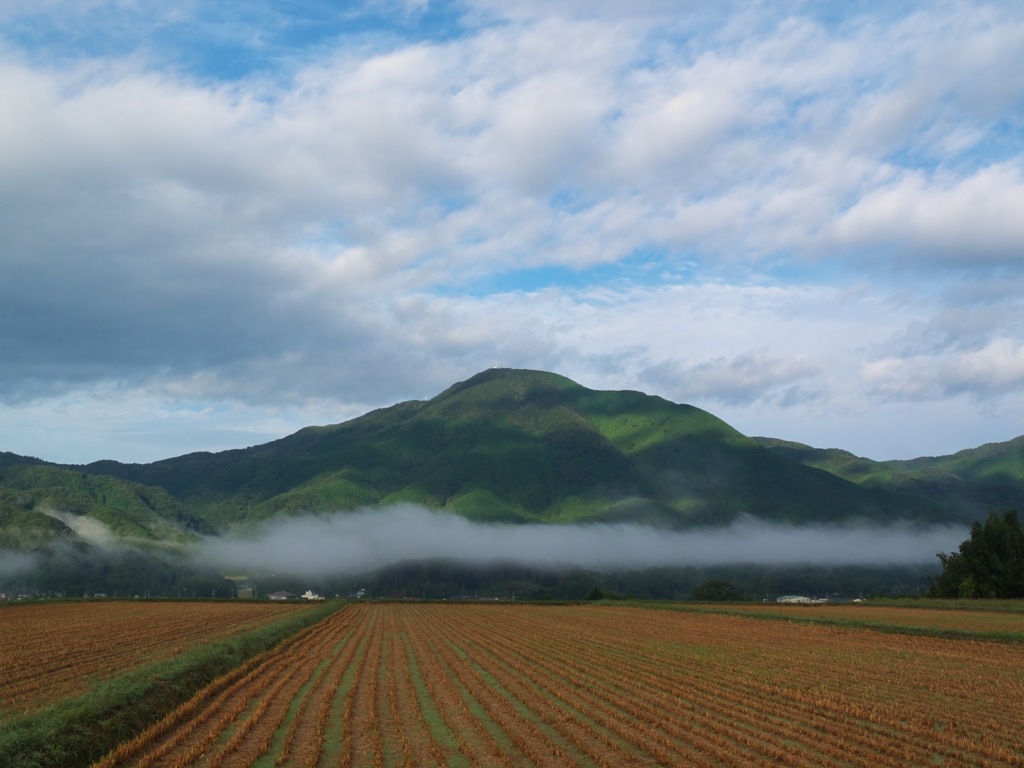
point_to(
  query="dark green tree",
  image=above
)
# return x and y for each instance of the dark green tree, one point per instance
(718, 592)
(989, 564)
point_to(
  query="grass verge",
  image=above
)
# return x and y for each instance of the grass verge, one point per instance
(79, 731)
(1011, 638)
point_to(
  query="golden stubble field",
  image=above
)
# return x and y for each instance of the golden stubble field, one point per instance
(51, 651)
(506, 685)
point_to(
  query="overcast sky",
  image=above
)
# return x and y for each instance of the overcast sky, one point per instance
(223, 221)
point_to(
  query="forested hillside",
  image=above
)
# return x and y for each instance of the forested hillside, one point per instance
(521, 446)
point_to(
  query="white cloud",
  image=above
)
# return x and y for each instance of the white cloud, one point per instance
(748, 146)
(330, 236)
(995, 369)
(800, 363)
(965, 220)
(93, 531)
(745, 378)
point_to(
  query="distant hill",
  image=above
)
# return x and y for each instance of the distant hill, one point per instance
(990, 465)
(989, 476)
(513, 446)
(41, 503)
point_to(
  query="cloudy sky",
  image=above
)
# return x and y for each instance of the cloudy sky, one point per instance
(223, 221)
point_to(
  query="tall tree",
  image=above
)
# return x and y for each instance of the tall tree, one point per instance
(989, 564)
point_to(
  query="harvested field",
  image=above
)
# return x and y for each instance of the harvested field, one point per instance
(52, 651)
(502, 685)
(924, 618)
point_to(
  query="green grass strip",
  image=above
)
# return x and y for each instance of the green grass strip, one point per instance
(334, 731)
(1008, 638)
(522, 706)
(78, 731)
(997, 606)
(443, 736)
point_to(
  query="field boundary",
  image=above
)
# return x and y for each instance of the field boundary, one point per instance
(1007, 638)
(1004, 605)
(80, 730)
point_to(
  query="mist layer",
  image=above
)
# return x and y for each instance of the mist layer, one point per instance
(355, 542)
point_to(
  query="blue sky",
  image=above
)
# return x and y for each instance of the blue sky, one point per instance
(221, 222)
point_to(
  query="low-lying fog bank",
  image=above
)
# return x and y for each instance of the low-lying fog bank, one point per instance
(360, 541)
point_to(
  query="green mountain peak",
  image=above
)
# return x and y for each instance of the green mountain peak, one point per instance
(510, 445)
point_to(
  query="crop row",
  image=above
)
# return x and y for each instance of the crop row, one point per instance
(792, 694)
(463, 685)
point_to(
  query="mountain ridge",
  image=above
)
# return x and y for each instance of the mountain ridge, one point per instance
(516, 446)
(495, 447)
(991, 475)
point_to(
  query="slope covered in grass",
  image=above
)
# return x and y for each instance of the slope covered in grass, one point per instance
(992, 464)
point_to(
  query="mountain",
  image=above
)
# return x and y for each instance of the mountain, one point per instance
(991, 475)
(513, 446)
